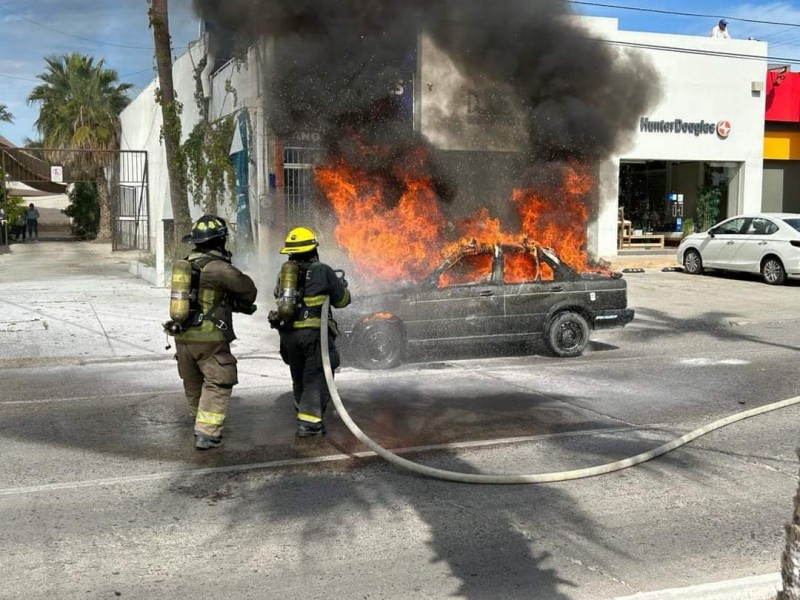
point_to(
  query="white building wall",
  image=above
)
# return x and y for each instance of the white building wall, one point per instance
(244, 77)
(141, 130)
(702, 79)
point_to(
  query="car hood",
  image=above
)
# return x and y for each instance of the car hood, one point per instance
(694, 237)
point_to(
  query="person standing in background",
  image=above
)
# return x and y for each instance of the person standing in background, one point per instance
(32, 220)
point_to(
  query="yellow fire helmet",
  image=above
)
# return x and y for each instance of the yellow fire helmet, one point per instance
(300, 240)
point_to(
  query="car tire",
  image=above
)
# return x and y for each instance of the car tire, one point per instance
(693, 262)
(772, 271)
(379, 345)
(567, 334)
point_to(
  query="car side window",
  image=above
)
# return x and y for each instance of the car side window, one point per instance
(760, 226)
(472, 269)
(522, 267)
(519, 267)
(734, 226)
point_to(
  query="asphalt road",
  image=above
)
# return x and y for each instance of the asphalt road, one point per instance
(103, 496)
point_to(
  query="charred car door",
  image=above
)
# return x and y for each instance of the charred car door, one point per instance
(532, 287)
(462, 299)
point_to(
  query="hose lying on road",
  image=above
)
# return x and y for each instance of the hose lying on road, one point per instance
(500, 478)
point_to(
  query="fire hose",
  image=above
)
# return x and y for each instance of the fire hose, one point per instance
(512, 478)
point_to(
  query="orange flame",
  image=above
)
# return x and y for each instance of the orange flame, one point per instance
(405, 240)
(390, 243)
(559, 222)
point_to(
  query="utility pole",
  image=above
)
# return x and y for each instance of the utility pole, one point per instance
(171, 114)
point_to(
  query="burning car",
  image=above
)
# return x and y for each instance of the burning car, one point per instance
(482, 292)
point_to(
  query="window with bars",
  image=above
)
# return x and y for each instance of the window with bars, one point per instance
(299, 187)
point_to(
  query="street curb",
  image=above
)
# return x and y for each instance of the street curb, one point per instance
(759, 587)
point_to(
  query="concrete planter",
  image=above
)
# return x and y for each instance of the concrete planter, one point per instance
(142, 271)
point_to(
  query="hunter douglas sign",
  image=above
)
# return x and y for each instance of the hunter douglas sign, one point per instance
(721, 129)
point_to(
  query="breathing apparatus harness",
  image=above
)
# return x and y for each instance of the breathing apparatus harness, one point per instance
(185, 308)
(291, 306)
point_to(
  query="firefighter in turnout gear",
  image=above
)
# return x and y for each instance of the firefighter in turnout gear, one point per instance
(203, 352)
(303, 283)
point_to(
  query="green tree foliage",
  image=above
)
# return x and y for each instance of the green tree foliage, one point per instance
(84, 210)
(211, 172)
(79, 105)
(708, 200)
(5, 116)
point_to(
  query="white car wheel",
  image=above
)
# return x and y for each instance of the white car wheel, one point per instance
(693, 262)
(772, 271)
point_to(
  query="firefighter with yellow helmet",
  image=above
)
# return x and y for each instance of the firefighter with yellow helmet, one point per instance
(303, 284)
(206, 290)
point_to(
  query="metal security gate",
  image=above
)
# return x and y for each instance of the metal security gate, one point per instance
(125, 172)
(131, 202)
(299, 189)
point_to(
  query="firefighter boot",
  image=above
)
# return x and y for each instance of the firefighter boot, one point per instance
(305, 429)
(204, 442)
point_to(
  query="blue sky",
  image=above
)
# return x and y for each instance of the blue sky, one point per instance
(117, 30)
(27, 34)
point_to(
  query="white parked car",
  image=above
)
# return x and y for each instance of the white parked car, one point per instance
(767, 243)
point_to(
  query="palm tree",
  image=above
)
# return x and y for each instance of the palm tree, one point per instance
(80, 102)
(5, 116)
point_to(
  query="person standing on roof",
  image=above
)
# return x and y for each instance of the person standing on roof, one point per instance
(721, 30)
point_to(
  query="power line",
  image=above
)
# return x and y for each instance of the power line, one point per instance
(137, 72)
(72, 35)
(20, 78)
(78, 37)
(657, 47)
(679, 13)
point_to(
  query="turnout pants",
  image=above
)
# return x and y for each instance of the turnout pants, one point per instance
(208, 371)
(301, 350)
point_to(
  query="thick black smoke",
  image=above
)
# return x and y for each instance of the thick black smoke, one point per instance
(575, 98)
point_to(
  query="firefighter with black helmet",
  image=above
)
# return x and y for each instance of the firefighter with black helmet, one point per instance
(206, 290)
(303, 284)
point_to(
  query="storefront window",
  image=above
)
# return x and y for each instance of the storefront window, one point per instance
(659, 196)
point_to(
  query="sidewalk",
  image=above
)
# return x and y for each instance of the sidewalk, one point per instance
(75, 302)
(644, 259)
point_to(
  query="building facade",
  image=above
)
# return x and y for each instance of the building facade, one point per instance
(782, 142)
(706, 130)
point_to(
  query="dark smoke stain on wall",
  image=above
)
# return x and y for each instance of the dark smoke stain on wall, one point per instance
(337, 60)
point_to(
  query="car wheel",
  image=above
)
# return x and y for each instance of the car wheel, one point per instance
(693, 262)
(772, 271)
(379, 345)
(568, 334)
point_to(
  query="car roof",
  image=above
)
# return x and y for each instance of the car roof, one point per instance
(768, 215)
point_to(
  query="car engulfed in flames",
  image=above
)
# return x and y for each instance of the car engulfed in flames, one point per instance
(474, 269)
(504, 293)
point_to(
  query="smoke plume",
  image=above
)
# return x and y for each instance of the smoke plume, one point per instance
(529, 74)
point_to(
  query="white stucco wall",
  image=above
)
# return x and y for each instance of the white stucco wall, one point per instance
(702, 79)
(141, 130)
